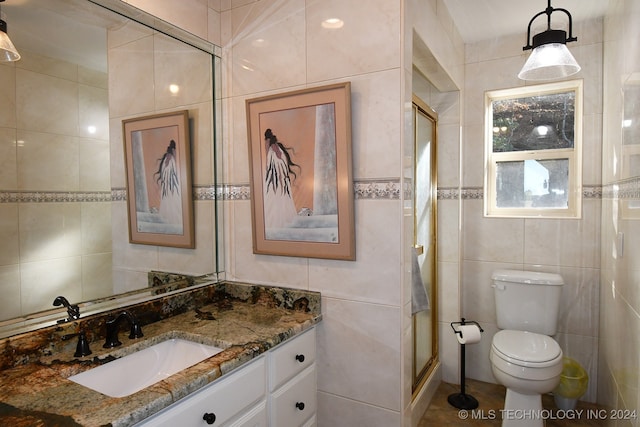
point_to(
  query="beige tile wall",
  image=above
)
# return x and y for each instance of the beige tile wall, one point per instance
(48, 156)
(618, 373)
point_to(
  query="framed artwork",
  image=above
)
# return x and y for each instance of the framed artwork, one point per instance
(158, 167)
(301, 179)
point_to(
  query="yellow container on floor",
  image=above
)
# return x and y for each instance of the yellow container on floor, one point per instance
(573, 384)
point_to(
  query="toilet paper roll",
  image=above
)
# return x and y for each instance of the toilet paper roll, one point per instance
(470, 334)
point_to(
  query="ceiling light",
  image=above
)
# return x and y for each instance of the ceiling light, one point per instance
(550, 58)
(8, 51)
(332, 23)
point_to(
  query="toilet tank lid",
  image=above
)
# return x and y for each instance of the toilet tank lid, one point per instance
(530, 277)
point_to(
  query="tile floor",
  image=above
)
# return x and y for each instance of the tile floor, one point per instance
(491, 401)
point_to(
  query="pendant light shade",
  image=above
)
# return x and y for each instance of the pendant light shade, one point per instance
(550, 58)
(549, 61)
(8, 51)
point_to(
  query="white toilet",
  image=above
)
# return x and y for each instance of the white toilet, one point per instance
(524, 357)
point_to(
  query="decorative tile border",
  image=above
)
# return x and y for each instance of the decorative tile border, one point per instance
(235, 192)
(448, 194)
(55, 196)
(627, 189)
(119, 194)
(204, 192)
(367, 189)
(477, 193)
(472, 193)
(383, 189)
(389, 189)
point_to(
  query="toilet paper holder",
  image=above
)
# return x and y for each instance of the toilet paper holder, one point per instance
(462, 323)
(463, 400)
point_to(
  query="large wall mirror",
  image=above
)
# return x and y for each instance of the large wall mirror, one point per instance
(86, 66)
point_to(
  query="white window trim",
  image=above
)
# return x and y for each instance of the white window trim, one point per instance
(574, 155)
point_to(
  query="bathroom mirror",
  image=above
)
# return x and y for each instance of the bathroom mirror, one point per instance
(86, 66)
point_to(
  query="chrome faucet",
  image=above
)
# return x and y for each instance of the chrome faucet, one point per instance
(72, 310)
(113, 325)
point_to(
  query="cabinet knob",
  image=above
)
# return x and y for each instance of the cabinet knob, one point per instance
(209, 418)
(300, 357)
(300, 405)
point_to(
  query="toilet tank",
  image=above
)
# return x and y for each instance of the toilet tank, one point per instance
(527, 300)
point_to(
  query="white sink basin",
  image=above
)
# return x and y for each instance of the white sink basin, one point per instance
(129, 374)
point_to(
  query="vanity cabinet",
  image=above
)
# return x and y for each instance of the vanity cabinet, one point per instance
(219, 402)
(292, 382)
(277, 389)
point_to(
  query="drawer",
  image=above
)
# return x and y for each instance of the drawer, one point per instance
(294, 403)
(225, 399)
(291, 358)
(256, 417)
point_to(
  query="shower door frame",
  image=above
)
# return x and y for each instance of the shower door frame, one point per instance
(421, 373)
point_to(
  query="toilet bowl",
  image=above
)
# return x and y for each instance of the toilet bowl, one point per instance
(528, 364)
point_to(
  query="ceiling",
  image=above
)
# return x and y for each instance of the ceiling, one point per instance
(478, 20)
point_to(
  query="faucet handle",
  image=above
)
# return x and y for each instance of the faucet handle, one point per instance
(136, 331)
(82, 349)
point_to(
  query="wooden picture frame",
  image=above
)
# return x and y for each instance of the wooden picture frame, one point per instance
(158, 168)
(301, 178)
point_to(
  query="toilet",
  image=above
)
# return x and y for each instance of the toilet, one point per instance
(524, 357)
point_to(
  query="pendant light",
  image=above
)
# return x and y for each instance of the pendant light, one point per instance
(8, 51)
(550, 58)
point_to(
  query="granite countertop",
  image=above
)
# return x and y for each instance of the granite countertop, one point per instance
(39, 393)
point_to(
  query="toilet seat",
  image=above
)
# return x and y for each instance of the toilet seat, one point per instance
(526, 349)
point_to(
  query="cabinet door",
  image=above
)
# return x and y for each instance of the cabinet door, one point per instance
(291, 358)
(295, 402)
(220, 401)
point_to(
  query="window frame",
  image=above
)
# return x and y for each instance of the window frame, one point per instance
(574, 155)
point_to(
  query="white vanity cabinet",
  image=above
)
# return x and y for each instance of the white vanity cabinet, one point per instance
(277, 389)
(220, 402)
(292, 382)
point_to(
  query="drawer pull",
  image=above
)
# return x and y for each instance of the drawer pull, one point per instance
(300, 357)
(209, 418)
(300, 405)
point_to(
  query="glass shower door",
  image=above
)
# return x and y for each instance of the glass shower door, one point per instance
(425, 350)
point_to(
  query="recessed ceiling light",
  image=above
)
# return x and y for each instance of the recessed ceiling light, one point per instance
(259, 43)
(332, 23)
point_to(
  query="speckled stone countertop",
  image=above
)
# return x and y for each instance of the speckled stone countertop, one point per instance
(245, 320)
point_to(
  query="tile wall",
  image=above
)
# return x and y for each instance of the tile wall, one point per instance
(360, 376)
(364, 344)
(54, 184)
(618, 372)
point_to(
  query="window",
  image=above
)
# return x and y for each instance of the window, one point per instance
(533, 151)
